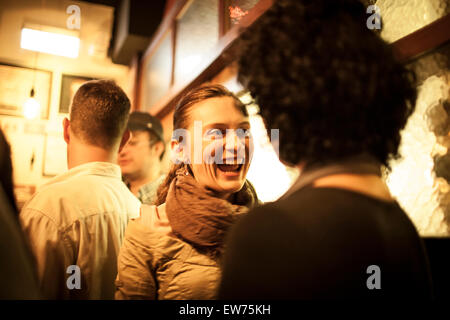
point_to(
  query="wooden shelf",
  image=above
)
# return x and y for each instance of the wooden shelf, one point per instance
(423, 40)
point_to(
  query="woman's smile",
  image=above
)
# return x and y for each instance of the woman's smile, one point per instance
(229, 170)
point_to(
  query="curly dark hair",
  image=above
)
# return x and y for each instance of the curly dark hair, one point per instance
(332, 86)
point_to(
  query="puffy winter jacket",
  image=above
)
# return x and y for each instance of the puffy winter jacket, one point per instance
(154, 264)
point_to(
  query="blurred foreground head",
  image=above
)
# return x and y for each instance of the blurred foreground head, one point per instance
(6, 172)
(330, 85)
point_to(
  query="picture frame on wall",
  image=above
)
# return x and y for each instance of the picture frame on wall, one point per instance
(16, 84)
(157, 73)
(70, 85)
(233, 11)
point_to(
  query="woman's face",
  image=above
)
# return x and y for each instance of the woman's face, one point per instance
(220, 145)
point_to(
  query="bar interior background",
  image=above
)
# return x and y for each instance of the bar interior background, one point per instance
(158, 50)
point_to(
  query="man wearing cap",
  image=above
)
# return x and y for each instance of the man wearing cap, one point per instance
(140, 159)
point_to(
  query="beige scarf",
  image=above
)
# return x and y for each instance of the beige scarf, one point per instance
(198, 217)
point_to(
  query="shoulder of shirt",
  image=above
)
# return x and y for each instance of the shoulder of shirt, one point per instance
(28, 212)
(53, 193)
(51, 197)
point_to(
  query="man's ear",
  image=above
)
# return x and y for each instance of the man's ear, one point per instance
(159, 148)
(66, 130)
(125, 138)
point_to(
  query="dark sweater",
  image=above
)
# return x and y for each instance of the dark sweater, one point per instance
(319, 243)
(17, 271)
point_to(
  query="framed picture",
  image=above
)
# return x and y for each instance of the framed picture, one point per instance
(15, 87)
(69, 85)
(157, 73)
(234, 11)
(197, 33)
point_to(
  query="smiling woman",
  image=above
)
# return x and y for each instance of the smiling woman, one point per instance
(222, 153)
(218, 124)
(172, 251)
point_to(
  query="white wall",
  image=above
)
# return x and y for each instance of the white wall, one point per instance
(28, 137)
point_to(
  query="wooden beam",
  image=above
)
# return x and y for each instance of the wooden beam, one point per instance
(137, 65)
(423, 40)
(174, 50)
(222, 20)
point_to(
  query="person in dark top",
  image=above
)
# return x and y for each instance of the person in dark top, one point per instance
(6, 172)
(339, 99)
(18, 275)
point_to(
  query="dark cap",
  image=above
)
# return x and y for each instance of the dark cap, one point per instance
(144, 121)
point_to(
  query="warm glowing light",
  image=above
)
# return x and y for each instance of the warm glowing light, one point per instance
(268, 175)
(49, 42)
(31, 108)
(237, 13)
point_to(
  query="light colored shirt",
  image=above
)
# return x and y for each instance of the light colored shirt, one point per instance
(79, 218)
(147, 193)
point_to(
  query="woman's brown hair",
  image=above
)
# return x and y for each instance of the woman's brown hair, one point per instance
(181, 120)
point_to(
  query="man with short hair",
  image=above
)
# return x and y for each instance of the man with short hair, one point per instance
(75, 223)
(140, 159)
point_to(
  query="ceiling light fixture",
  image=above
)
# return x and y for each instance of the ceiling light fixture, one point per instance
(31, 107)
(57, 41)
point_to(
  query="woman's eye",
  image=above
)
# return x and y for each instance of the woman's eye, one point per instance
(243, 133)
(214, 133)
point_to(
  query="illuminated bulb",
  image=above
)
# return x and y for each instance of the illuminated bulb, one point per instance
(31, 107)
(91, 50)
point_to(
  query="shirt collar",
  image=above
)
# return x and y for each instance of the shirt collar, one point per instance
(90, 168)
